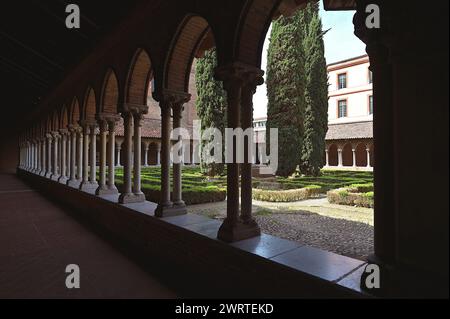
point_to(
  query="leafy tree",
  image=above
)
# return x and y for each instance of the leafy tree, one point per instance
(211, 104)
(285, 91)
(316, 93)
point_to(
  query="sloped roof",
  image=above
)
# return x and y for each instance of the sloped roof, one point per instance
(348, 131)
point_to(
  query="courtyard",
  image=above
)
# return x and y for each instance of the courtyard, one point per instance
(342, 229)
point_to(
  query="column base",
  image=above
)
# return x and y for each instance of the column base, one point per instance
(232, 232)
(42, 173)
(129, 198)
(170, 209)
(105, 190)
(75, 183)
(55, 177)
(88, 186)
(63, 180)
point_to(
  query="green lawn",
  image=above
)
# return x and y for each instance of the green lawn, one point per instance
(199, 189)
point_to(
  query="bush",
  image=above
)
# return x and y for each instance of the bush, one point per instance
(290, 195)
(191, 196)
(347, 196)
(362, 188)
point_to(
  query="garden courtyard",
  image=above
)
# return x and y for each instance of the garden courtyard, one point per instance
(298, 208)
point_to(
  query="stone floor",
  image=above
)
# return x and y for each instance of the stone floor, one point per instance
(38, 239)
(344, 230)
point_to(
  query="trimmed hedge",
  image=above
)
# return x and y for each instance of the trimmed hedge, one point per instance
(290, 195)
(348, 196)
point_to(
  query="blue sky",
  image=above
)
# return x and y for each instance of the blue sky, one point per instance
(340, 44)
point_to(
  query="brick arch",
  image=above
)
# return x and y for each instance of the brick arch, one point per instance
(110, 93)
(55, 120)
(89, 105)
(139, 77)
(74, 112)
(361, 154)
(255, 21)
(333, 155)
(64, 119)
(191, 35)
(347, 155)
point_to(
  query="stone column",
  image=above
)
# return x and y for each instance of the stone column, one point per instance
(48, 172)
(44, 157)
(33, 156)
(138, 194)
(118, 149)
(252, 78)
(128, 140)
(63, 160)
(158, 154)
(354, 157)
(368, 157)
(84, 186)
(146, 144)
(79, 154)
(177, 109)
(327, 158)
(112, 189)
(93, 156)
(168, 100)
(239, 81)
(340, 157)
(55, 174)
(73, 181)
(68, 154)
(102, 189)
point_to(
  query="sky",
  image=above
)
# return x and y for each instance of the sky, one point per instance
(340, 44)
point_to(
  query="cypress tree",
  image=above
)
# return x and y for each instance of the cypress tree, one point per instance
(285, 91)
(210, 104)
(316, 94)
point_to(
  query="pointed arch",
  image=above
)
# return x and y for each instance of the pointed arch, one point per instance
(140, 75)
(89, 105)
(74, 112)
(193, 34)
(110, 93)
(64, 118)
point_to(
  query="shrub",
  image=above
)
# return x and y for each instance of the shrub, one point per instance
(362, 188)
(192, 196)
(347, 196)
(290, 195)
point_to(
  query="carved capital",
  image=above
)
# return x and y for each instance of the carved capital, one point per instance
(173, 99)
(109, 117)
(239, 74)
(134, 108)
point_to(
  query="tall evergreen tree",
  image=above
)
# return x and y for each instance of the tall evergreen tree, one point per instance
(285, 91)
(316, 93)
(210, 104)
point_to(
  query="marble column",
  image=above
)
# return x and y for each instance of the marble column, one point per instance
(368, 157)
(158, 154)
(118, 150)
(63, 160)
(112, 189)
(55, 174)
(127, 171)
(44, 157)
(354, 157)
(85, 159)
(168, 100)
(48, 172)
(327, 158)
(102, 189)
(177, 200)
(93, 156)
(340, 157)
(68, 154)
(146, 145)
(79, 154)
(73, 180)
(249, 228)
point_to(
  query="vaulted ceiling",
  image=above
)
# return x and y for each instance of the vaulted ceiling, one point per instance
(37, 50)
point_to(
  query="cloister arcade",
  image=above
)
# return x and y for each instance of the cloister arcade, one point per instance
(356, 155)
(160, 41)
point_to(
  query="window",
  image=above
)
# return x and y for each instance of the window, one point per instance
(342, 108)
(370, 76)
(371, 104)
(342, 81)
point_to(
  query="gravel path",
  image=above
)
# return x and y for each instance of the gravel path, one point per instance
(341, 229)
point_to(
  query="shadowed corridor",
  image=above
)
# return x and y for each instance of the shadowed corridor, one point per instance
(38, 239)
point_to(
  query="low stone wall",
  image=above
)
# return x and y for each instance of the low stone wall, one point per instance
(196, 261)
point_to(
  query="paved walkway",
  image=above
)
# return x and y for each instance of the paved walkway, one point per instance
(341, 229)
(38, 239)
